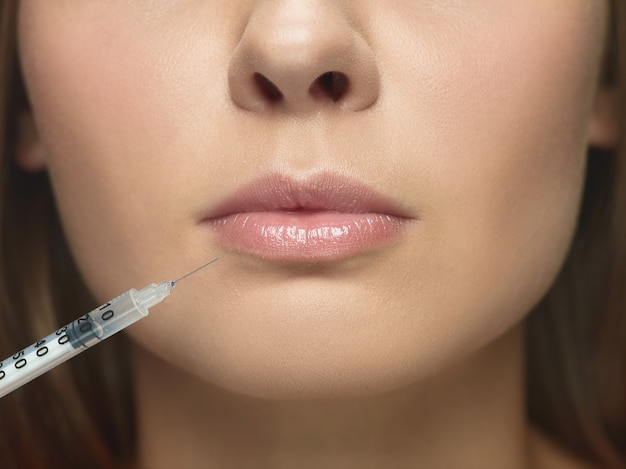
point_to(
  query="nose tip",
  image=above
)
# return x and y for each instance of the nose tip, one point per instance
(298, 56)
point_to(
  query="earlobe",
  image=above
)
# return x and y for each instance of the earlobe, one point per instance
(29, 151)
(605, 123)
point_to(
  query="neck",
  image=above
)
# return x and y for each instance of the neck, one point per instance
(471, 415)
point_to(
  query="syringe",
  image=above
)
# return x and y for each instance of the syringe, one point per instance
(83, 333)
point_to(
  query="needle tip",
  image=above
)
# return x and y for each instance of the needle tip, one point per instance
(195, 270)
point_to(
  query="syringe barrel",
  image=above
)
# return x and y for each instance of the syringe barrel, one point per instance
(106, 320)
(70, 340)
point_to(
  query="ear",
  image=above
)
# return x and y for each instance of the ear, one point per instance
(29, 151)
(605, 123)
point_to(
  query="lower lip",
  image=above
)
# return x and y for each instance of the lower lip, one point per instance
(306, 235)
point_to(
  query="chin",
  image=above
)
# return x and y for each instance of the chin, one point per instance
(304, 383)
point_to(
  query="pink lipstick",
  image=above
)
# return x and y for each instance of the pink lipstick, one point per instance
(322, 218)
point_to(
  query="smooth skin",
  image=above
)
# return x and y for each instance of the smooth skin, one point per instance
(474, 116)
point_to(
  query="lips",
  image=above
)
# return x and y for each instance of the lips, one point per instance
(322, 218)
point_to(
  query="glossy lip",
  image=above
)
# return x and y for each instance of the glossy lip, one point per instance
(321, 218)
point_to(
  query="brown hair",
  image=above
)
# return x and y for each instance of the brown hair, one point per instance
(80, 415)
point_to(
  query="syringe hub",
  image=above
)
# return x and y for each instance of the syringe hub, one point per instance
(154, 293)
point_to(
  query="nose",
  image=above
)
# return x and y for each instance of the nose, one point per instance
(300, 56)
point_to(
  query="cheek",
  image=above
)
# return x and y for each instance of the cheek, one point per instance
(514, 174)
(497, 143)
(117, 125)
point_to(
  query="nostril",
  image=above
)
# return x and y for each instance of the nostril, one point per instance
(330, 84)
(267, 88)
(333, 85)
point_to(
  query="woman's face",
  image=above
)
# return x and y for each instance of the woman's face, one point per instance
(377, 224)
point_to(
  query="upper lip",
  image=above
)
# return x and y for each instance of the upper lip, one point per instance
(321, 192)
